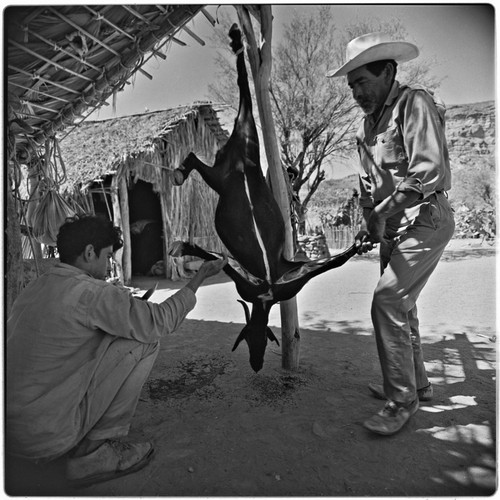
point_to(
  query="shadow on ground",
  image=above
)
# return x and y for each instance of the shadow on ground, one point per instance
(220, 429)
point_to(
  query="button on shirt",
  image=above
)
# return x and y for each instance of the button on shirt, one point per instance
(404, 150)
(57, 333)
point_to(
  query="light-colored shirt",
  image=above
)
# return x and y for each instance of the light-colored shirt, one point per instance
(59, 329)
(404, 149)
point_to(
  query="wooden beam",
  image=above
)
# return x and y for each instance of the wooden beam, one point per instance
(127, 249)
(95, 39)
(39, 92)
(211, 20)
(261, 65)
(37, 77)
(193, 35)
(117, 221)
(58, 48)
(167, 237)
(49, 61)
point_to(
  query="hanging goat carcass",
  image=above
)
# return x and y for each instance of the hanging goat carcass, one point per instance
(250, 224)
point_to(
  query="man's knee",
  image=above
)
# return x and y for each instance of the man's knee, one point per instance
(385, 296)
(390, 300)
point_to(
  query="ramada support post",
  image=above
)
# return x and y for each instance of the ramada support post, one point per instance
(261, 63)
(117, 221)
(119, 196)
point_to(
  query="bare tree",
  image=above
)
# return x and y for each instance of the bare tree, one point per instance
(225, 90)
(315, 116)
(417, 71)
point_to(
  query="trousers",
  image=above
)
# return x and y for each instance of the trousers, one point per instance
(111, 400)
(407, 262)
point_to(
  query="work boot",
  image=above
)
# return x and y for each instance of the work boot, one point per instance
(111, 460)
(391, 418)
(424, 394)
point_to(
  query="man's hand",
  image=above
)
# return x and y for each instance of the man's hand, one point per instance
(376, 227)
(363, 242)
(208, 268)
(393, 204)
(212, 267)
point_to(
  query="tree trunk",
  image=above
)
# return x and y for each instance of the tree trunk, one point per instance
(261, 62)
(301, 223)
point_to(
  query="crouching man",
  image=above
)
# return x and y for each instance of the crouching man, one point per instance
(79, 350)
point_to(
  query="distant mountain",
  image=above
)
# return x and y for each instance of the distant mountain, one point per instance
(349, 182)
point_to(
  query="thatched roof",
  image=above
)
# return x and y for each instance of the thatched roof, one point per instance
(65, 61)
(97, 148)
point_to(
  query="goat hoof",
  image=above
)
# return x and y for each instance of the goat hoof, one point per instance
(178, 177)
(176, 250)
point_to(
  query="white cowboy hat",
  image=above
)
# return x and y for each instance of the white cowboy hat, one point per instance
(374, 47)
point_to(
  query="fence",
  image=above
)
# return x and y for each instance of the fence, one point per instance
(339, 238)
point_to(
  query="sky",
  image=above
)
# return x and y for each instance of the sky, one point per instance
(461, 37)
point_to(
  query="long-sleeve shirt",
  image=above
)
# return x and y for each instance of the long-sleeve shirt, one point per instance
(404, 150)
(59, 329)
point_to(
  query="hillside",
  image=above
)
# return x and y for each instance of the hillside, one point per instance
(471, 137)
(471, 133)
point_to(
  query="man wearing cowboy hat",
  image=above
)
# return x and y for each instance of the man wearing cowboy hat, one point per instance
(406, 173)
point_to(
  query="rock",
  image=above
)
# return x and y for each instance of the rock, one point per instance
(315, 247)
(477, 131)
(470, 130)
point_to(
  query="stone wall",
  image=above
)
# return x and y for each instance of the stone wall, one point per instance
(314, 246)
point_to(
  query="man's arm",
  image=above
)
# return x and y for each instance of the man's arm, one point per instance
(117, 312)
(208, 268)
(393, 204)
(372, 228)
(362, 240)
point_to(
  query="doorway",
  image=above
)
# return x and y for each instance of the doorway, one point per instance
(146, 228)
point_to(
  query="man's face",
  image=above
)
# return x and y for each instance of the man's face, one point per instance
(101, 265)
(368, 90)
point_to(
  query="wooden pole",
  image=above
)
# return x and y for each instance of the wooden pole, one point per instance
(167, 233)
(117, 221)
(33, 181)
(127, 249)
(261, 65)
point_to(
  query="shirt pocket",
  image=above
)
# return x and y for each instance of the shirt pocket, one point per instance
(390, 149)
(435, 211)
(429, 214)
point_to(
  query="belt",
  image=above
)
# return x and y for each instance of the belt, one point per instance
(441, 191)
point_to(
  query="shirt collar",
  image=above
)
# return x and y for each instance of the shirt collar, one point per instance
(68, 269)
(393, 94)
(391, 97)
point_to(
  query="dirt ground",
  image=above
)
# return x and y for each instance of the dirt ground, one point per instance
(221, 430)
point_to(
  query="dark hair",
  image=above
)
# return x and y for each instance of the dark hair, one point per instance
(376, 67)
(82, 230)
